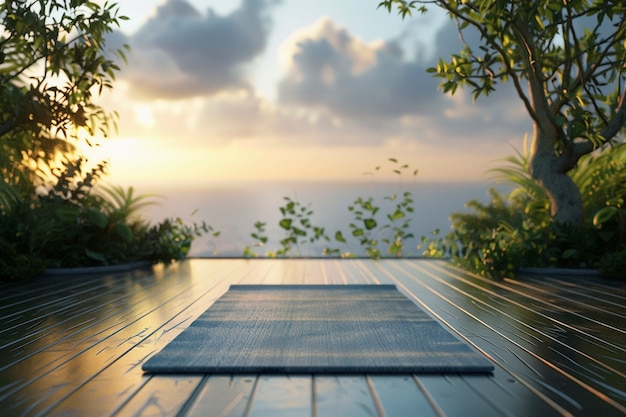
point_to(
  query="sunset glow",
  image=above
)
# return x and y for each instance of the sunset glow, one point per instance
(260, 90)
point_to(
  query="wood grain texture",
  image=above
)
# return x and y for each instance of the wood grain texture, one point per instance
(74, 345)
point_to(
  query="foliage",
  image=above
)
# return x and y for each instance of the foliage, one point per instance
(74, 224)
(614, 265)
(370, 231)
(260, 239)
(53, 61)
(392, 231)
(566, 61)
(171, 239)
(365, 225)
(433, 246)
(15, 264)
(515, 230)
(298, 228)
(296, 224)
(552, 43)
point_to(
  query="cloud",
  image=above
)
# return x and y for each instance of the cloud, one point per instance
(182, 53)
(329, 68)
(337, 89)
(377, 90)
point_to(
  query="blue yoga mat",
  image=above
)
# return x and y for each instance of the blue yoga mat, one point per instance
(316, 329)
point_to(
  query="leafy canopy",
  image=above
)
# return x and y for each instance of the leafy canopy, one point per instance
(566, 60)
(53, 60)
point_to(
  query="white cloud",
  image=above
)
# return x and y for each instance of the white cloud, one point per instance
(329, 68)
(181, 53)
(187, 86)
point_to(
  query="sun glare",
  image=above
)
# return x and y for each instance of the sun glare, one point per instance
(156, 164)
(144, 115)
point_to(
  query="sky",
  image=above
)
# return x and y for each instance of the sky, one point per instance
(261, 90)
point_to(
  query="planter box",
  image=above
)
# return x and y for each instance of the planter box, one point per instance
(105, 269)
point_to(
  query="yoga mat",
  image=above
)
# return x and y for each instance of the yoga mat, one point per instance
(316, 329)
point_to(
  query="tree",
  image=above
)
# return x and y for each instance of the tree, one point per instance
(567, 62)
(53, 61)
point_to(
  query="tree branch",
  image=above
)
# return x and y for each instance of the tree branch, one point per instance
(617, 122)
(535, 76)
(504, 56)
(566, 80)
(576, 150)
(584, 75)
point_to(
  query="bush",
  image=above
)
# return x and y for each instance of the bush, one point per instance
(613, 265)
(71, 223)
(515, 230)
(14, 264)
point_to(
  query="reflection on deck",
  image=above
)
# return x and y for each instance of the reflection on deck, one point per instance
(74, 345)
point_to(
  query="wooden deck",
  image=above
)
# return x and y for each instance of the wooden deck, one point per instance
(74, 346)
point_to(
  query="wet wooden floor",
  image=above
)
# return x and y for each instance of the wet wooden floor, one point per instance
(74, 345)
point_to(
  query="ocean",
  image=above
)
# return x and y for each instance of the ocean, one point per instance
(234, 208)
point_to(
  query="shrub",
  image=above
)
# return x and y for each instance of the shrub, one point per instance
(71, 223)
(613, 265)
(515, 230)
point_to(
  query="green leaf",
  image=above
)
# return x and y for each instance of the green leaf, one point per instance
(67, 214)
(369, 223)
(285, 224)
(396, 216)
(604, 215)
(97, 218)
(95, 255)
(395, 248)
(339, 237)
(570, 253)
(124, 231)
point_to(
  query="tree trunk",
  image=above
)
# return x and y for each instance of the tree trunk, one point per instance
(548, 170)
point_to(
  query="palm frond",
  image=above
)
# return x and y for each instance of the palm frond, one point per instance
(601, 177)
(516, 172)
(123, 203)
(9, 197)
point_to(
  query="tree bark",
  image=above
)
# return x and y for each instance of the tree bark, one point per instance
(548, 169)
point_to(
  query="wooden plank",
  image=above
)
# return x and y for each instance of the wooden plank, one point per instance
(59, 326)
(28, 318)
(518, 345)
(400, 396)
(316, 274)
(343, 396)
(331, 273)
(546, 353)
(222, 396)
(357, 271)
(75, 346)
(455, 398)
(161, 396)
(277, 396)
(12, 292)
(81, 359)
(334, 272)
(511, 397)
(603, 306)
(120, 379)
(580, 327)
